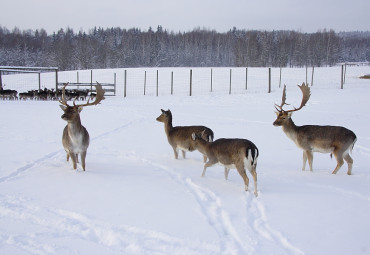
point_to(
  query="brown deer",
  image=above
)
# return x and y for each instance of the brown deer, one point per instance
(180, 137)
(75, 136)
(231, 153)
(312, 138)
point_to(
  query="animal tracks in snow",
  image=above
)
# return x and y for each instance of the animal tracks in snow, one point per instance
(255, 236)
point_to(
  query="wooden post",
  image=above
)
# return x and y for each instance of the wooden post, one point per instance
(269, 91)
(191, 81)
(211, 79)
(171, 83)
(56, 80)
(125, 84)
(280, 78)
(313, 70)
(39, 74)
(345, 71)
(1, 80)
(157, 83)
(115, 83)
(230, 83)
(342, 78)
(91, 79)
(306, 74)
(246, 78)
(144, 82)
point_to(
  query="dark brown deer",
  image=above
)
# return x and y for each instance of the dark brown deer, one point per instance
(75, 136)
(180, 137)
(312, 138)
(231, 153)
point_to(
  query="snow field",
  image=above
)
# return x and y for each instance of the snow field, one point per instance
(135, 198)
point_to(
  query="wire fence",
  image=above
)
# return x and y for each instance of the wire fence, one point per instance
(195, 81)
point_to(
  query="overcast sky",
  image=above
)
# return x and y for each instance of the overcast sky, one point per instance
(185, 15)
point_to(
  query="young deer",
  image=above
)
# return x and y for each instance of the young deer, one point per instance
(312, 138)
(75, 136)
(231, 153)
(180, 137)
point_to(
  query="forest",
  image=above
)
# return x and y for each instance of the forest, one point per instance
(120, 48)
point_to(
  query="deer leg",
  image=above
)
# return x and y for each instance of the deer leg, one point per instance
(77, 158)
(304, 160)
(208, 164)
(83, 157)
(340, 161)
(349, 161)
(204, 158)
(74, 160)
(67, 156)
(183, 153)
(309, 155)
(254, 174)
(243, 174)
(175, 151)
(227, 170)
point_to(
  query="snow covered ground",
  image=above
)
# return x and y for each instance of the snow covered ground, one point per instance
(135, 198)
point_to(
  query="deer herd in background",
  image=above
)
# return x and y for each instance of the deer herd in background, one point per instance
(45, 94)
(236, 153)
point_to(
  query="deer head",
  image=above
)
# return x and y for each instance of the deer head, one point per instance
(284, 115)
(71, 113)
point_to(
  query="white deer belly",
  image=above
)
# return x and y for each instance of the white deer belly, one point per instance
(230, 166)
(322, 150)
(182, 148)
(77, 143)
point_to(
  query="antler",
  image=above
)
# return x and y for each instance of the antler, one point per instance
(306, 93)
(99, 96)
(63, 101)
(283, 98)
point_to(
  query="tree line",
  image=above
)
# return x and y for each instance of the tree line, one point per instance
(117, 48)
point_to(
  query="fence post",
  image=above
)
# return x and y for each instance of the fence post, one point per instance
(230, 83)
(157, 83)
(211, 79)
(115, 83)
(342, 78)
(1, 80)
(269, 91)
(56, 80)
(39, 74)
(246, 78)
(345, 71)
(280, 77)
(313, 70)
(171, 83)
(306, 74)
(91, 80)
(125, 84)
(144, 82)
(78, 77)
(191, 81)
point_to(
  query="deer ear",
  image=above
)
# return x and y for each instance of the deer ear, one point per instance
(290, 114)
(277, 113)
(193, 136)
(80, 109)
(63, 107)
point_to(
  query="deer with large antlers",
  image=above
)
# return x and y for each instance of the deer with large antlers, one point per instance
(75, 136)
(313, 138)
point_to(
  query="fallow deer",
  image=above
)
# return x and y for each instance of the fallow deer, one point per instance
(231, 153)
(75, 136)
(313, 138)
(180, 137)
